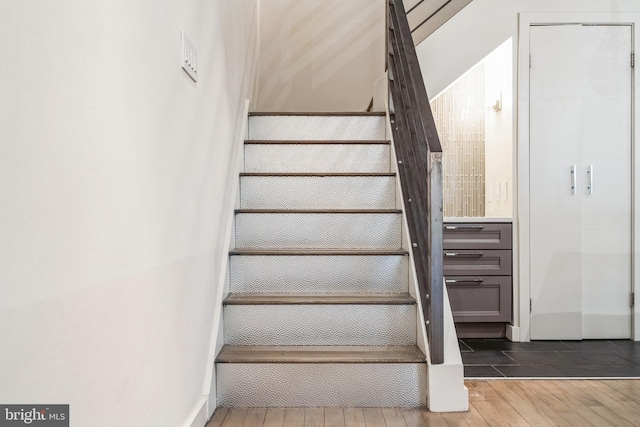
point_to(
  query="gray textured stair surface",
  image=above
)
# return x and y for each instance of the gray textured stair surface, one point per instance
(319, 312)
(351, 156)
(295, 272)
(317, 191)
(313, 324)
(324, 127)
(321, 384)
(318, 230)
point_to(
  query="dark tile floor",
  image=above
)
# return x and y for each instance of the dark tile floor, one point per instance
(543, 359)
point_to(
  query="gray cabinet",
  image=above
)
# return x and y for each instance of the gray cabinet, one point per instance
(477, 269)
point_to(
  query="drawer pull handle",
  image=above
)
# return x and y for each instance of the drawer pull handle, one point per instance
(466, 255)
(464, 227)
(476, 281)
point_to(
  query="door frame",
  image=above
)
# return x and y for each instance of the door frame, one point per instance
(521, 330)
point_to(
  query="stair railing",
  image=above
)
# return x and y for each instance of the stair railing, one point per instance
(419, 156)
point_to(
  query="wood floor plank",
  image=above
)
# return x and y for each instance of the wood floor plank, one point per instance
(393, 417)
(373, 417)
(630, 388)
(559, 406)
(218, 417)
(294, 417)
(354, 417)
(538, 405)
(433, 419)
(524, 408)
(615, 410)
(334, 417)
(254, 417)
(550, 386)
(314, 417)
(573, 398)
(413, 417)
(456, 419)
(274, 417)
(475, 392)
(473, 417)
(501, 406)
(493, 403)
(617, 396)
(235, 417)
(489, 412)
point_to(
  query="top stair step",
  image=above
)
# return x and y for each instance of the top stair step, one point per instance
(317, 126)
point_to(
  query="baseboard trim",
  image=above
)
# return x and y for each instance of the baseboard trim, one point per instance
(513, 333)
(198, 416)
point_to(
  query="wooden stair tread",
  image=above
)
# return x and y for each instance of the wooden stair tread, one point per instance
(317, 141)
(319, 114)
(243, 251)
(320, 211)
(320, 174)
(320, 354)
(318, 299)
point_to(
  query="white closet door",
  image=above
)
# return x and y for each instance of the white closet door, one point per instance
(580, 92)
(606, 210)
(556, 229)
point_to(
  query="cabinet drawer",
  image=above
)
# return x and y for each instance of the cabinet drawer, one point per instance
(477, 236)
(480, 298)
(478, 262)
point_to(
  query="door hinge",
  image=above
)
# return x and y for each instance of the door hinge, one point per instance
(633, 299)
(529, 60)
(530, 305)
(633, 60)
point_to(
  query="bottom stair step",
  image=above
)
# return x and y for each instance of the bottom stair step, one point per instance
(295, 376)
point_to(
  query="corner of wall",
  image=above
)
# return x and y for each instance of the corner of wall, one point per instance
(222, 286)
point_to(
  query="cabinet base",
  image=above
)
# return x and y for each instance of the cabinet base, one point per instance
(481, 330)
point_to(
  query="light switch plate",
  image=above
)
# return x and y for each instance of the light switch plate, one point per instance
(189, 57)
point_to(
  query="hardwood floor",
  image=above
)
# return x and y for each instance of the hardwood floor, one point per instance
(509, 403)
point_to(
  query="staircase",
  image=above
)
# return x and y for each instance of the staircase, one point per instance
(319, 310)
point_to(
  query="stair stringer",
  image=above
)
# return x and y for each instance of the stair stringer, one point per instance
(446, 391)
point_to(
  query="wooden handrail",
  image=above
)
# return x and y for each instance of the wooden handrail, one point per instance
(419, 156)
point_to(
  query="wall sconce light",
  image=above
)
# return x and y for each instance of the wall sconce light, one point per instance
(498, 104)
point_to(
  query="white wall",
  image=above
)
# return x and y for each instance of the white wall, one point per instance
(482, 26)
(498, 129)
(114, 200)
(320, 55)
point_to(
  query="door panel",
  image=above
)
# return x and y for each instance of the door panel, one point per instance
(556, 279)
(606, 210)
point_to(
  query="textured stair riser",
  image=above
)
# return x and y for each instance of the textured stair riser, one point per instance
(319, 273)
(317, 127)
(316, 158)
(291, 385)
(318, 231)
(317, 192)
(320, 324)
